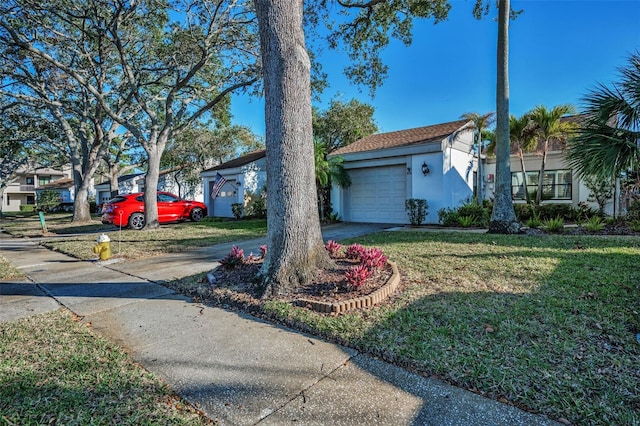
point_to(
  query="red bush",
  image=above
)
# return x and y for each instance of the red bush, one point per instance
(357, 275)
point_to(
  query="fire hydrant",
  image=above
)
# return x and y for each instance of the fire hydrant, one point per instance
(103, 248)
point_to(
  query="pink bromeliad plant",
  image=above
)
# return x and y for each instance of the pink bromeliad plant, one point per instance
(371, 260)
(233, 259)
(354, 251)
(357, 275)
(333, 248)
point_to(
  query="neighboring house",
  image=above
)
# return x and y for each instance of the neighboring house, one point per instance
(127, 184)
(435, 163)
(22, 189)
(64, 187)
(134, 182)
(561, 185)
(246, 176)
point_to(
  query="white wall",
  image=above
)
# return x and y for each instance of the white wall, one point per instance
(448, 185)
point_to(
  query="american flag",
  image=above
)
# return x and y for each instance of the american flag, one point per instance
(217, 184)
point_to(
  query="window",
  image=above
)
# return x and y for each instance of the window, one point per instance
(29, 180)
(556, 185)
(31, 199)
(43, 180)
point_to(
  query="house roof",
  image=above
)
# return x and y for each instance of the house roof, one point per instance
(241, 161)
(63, 183)
(399, 138)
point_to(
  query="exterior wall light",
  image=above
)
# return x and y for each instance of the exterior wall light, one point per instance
(425, 169)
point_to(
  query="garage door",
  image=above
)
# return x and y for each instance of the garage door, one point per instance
(226, 197)
(377, 195)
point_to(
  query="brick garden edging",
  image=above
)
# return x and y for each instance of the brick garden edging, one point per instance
(361, 302)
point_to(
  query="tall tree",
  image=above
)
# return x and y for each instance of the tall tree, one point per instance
(296, 250)
(608, 140)
(343, 123)
(503, 217)
(550, 126)
(523, 140)
(167, 74)
(481, 122)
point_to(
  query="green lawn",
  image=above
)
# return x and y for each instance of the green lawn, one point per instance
(54, 370)
(548, 323)
(131, 244)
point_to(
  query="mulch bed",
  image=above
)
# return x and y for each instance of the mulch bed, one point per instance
(330, 285)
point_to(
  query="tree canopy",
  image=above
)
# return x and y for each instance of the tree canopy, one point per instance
(608, 140)
(343, 123)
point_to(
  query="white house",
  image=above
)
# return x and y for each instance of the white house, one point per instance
(245, 176)
(127, 184)
(21, 190)
(134, 182)
(435, 163)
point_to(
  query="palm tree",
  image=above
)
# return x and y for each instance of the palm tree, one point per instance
(550, 126)
(608, 142)
(327, 170)
(480, 123)
(503, 217)
(523, 140)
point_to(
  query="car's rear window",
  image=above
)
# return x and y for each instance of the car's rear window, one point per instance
(116, 200)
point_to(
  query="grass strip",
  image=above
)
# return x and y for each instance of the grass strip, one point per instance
(54, 370)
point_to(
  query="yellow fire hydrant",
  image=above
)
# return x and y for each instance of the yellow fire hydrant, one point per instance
(103, 248)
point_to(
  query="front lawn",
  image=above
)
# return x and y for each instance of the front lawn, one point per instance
(547, 323)
(54, 370)
(168, 238)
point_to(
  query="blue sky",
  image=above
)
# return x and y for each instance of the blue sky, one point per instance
(558, 51)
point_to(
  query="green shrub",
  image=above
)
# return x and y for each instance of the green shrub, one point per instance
(633, 211)
(467, 221)
(479, 214)
(534, 221)
(27, 207)
(553, 225)
(524, 212)
(448, 217)
(417, 210)
(48, 199)
(258, 208)
(237, 210)
(552, 211)
(635, 225)
(595, 224)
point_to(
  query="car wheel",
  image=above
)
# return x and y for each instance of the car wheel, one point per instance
(196, 214)
(136, 221)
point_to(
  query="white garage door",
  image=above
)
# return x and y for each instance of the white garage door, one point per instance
(377, 195)
(226, 197)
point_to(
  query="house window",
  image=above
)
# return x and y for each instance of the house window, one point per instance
(556, 185)
(31, 199)
(43, 180)
(29, 180)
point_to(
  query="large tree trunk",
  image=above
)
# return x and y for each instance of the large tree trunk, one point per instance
(114, 174)
(295, 247)
(154, 152)
(543, 165)
(503, 218)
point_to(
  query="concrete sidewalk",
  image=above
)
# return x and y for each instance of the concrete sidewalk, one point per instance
(237, 369)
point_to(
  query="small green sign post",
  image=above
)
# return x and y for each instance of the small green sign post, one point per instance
(42, 222)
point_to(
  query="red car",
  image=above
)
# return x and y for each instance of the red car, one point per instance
(128, 210)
